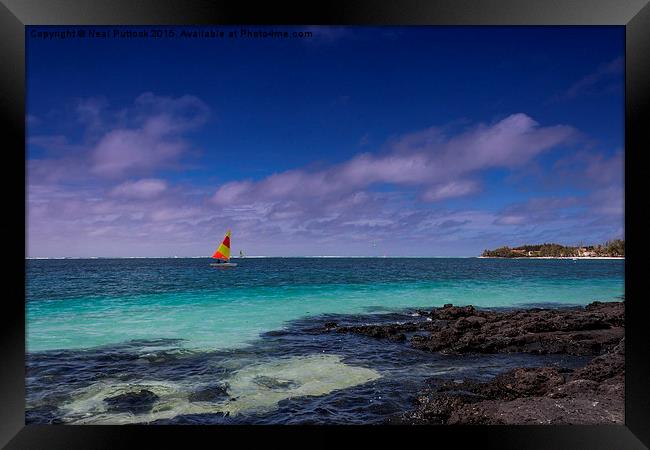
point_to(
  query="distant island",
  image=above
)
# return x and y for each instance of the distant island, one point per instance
(610, 249)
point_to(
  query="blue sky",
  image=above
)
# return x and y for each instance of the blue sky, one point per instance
(422, 141)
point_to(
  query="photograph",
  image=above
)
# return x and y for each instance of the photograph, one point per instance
(325, 225)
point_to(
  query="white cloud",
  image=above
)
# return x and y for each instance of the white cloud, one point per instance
(142, 189)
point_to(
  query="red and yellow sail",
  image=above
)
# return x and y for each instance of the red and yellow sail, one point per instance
(223, 251)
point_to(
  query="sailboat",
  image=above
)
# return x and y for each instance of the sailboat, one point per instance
(222, 254)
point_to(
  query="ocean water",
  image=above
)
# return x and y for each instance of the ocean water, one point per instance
(86, 303)
(178, 328)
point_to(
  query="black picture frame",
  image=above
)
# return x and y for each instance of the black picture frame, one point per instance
(634, 15)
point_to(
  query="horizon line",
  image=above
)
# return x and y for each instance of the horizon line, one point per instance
(245, 257)
(321, 256)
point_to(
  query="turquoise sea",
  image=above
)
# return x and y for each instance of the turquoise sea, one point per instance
(100, 328)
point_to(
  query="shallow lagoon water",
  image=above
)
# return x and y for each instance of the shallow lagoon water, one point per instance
(101, 328)
(255, 388)
(291, 376)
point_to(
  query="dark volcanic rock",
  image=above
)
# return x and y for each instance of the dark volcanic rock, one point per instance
(436, 409)
(541, 410)
(209, 394)
(571, 331)
(546, 395)
(592, 330)
(133, 402)
(274, 383)
(450, 312)
(393, 332)
(522, 382)
(593, 394)
(604, 367)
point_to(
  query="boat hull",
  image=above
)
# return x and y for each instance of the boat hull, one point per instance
(224, 265)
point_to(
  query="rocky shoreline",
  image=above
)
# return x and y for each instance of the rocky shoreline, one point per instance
(593, 394)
